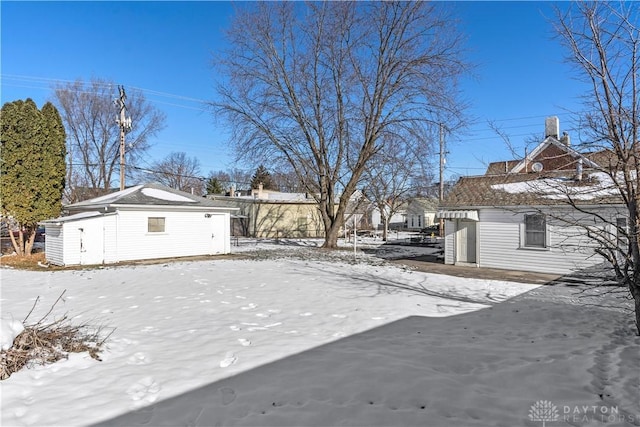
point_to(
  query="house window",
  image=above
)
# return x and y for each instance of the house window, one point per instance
(155, 225)
(535, 231)
(302, 224)
(419, 221)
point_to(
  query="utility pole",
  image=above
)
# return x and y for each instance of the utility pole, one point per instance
(441, 192)
(125, 126)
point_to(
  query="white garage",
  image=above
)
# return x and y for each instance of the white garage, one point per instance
(143, 222)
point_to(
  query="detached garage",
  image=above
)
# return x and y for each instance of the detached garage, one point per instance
(142, 222)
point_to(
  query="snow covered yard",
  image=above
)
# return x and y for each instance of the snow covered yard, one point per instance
(295, 336)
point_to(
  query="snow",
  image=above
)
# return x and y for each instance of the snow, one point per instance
(9, 330)
(111, 197)
(77, 216)
(290, 335)
(560, 188)
(165, 195)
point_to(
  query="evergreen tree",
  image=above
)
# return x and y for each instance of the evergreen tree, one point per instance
(262, 176)
(32, 167)
(214, 186)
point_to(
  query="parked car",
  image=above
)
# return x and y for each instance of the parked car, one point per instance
(431, 229)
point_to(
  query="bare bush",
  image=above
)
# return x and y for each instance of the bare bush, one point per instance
(44, 342)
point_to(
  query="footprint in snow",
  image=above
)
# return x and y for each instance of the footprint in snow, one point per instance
(235, 328)
(138, 358)
(249, 306)
(228, 395)
(144, 391)
(244, 342)
(229, 359)
(339, 316)
(306, 314)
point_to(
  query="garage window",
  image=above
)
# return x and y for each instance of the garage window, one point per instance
(155, 225)
(535, 231)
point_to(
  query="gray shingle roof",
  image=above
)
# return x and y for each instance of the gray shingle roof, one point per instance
(149, 194)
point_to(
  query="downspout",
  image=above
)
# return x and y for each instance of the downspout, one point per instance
(117, 233)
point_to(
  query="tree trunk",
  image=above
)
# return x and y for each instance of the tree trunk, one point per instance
(17, 245)
(331, 236)
(28, 244)
(385, 229)
(637, 303)
(634, 289)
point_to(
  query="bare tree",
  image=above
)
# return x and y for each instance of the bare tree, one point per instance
(319, 85)
(93, 144)
(235, 178)
(603, 43)
(390, 177)
(179, 171)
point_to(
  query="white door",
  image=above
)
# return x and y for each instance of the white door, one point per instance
(466, 242)
(218, 233)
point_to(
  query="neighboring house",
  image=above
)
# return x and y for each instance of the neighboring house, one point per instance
(515, 216)
(397, 221)
(421, 213)
(272, 214)
(142, 222)
(360, 210)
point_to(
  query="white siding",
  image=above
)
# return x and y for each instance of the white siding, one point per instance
(186, 234)
(500, 246)
(110, 231)
(84, 241)
(449, 241)
(53, 244)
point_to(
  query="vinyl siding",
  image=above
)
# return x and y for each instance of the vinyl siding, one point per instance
(449, 241)
(53, 244)
(500, 235)
(84, 241)
(111, 239)
(186, 234)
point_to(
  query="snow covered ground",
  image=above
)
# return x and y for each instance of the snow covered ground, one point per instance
(296, 336)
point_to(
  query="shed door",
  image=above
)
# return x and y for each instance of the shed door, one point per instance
(218, 234)
(466, 241)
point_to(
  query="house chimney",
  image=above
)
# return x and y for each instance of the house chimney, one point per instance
(552, 127)
(579, 170)
(566, 140)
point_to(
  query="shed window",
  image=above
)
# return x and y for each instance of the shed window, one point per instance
(156, 225)
(535, 231)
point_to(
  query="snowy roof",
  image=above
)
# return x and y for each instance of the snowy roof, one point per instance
(150, 194)
(531, 189)
(74, 217)
(548, 175)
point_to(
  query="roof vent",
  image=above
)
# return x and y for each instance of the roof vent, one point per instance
(537, 167)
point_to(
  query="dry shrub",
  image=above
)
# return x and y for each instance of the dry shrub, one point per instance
(24, 262)
(43, 343)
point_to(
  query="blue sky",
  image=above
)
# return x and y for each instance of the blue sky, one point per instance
(166, 49)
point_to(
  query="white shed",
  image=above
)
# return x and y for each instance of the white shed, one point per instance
(142, 222)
